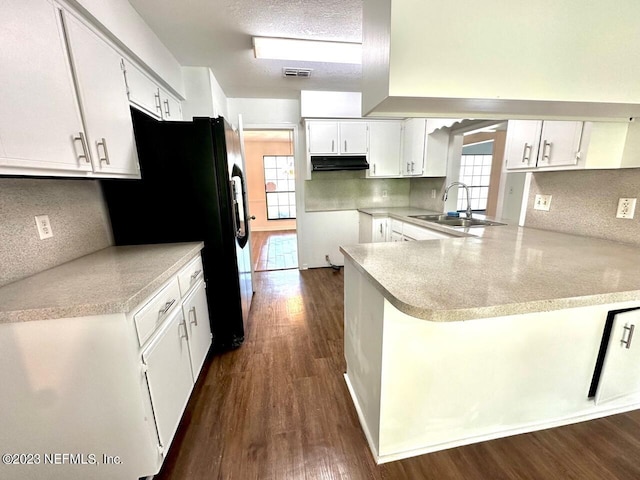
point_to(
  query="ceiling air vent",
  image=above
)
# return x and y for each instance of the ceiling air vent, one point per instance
(296, 72)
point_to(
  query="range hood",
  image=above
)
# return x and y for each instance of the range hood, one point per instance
(420, 60)
(321, 163)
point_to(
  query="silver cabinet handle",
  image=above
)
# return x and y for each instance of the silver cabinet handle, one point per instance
(157, 97)
(408, 167)
(345, 146)
(195, 316)
(374, 168)
(166, 108)
(183, 324)
(546, 151)
(333, 146)
(195, 274)
(525, 157)
(413, 164)
(627, 342)
(167, 307)
(80, 138)
(106, 152)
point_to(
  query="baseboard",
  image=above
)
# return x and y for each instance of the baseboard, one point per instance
(363, 424)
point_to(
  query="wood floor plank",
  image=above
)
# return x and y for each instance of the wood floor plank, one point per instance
(278, 408)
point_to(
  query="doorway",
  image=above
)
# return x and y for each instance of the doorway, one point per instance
(270, 170)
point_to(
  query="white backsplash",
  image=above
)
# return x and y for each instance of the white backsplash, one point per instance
(78, 216)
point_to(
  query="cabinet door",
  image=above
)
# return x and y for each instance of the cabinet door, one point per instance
(169, 376)
(322, 137)
(40, 124)
(413, 145)
(436, 151)
(380, 226)
(104, 103)
(196, 314)
(559, 143)
(353, 138)
(171, 107)
(143, 92)
(620, 374)
(523, 138)
(385, 147)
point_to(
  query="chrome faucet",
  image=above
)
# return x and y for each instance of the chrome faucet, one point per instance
(459, 184)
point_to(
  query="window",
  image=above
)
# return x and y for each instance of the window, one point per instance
(280, 186)
(475, 172)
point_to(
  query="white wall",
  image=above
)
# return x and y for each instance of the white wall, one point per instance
(204, 96)
(319, 233)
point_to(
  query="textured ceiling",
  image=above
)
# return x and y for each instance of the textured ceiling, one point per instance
(217, 34)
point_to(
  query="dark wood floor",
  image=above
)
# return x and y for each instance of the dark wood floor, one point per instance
(277, 408)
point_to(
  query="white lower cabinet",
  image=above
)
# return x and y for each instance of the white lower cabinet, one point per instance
(373, 229)
(115, 384)
(168, 371)
(620, 376)
(196, 314)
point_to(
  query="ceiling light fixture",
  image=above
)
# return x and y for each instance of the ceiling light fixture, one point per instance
(307, 50)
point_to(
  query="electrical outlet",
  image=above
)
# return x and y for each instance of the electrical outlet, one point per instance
(44, 226)
(542, 202)
(433, 193)
(626, 208)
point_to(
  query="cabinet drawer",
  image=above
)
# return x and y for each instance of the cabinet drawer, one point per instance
(190, 274)
(396, 226)
(149, 317)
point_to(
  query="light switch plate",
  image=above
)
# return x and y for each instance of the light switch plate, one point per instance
(542, 202)
(626, 208)
(44, 226)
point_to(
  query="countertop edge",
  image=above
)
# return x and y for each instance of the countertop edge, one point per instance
(121, 306)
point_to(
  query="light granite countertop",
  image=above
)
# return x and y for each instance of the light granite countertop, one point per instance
(112, 280)
(498, 270)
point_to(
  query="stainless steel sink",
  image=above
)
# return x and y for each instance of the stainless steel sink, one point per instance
(452, 221)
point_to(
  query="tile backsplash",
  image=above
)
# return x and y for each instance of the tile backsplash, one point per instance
(585, 203)
(351, 190)
(77, 213)
(346, 190)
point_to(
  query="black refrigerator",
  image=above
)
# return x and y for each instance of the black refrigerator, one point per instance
(192, 189)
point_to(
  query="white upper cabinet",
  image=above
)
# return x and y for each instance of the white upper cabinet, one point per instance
(143, 92)
(535, 145)
(337, 137)
(103, 98)
(40, 124)
(353, 138)
(63, 102)
(538, 144)
(413, 142)
(385, 147)
(171, 106)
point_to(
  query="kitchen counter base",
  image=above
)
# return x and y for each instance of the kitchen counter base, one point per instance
(422, 386)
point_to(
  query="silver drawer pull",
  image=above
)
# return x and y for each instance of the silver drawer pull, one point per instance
(158, 102)
(105, 159)
(167, 307)
(80, 138)
(525, 156)
(195, 274)
(627, 342)
(183, 324)
(546, 151)
(195, 316)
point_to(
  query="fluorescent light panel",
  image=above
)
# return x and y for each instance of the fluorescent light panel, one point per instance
(307, 50)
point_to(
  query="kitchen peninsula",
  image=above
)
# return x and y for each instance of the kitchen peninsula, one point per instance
(460, 340)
